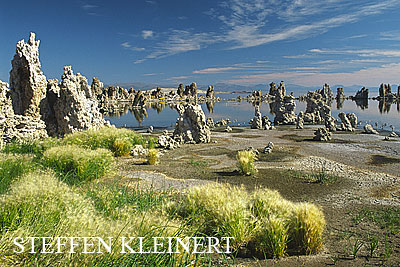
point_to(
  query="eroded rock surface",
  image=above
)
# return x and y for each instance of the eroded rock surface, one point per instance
(75, 109)
(191, 126)
(27, 82)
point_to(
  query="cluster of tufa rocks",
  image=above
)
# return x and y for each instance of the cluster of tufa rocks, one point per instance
(283, 106)
(32, 107)
(191, 127)
(348, 122)
(260, 122)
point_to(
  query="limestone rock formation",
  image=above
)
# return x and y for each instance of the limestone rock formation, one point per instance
(210, 92)
(228, 129)
(353, 119)
(330, 123)
(362, 94)
(317, 107)
(256, 123)
(284, 110)
(97, 88)
(385, 91)
(279, 92)
(345, 124)
(17, 127)
(268, 149)
(27, 82)
(139, 99)
(326, 92)
(191, 125)
(340, 93)
(180, 90)
(210, 122)
(322, 134)
(368, 129)
(74, 109)
(300, 120)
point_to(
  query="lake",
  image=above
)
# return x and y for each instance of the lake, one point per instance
(163, 116)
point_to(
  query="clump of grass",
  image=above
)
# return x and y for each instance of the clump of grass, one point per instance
(12, 167)
(121, 147)
(23, 147)
(262, 222)
(271, 236)
(217, 209)
(76, 164)
(322, 177)
(246, 160)
(308, 225)
(153, 156)
(39, 204)
(119, 141)
(111, 200)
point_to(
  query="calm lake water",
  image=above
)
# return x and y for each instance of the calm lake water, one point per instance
(241, 112)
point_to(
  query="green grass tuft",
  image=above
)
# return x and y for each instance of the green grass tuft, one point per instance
(119, 141)
(246, 160)
(75, 164)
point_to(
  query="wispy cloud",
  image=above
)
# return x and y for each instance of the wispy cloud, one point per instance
(390, 36)
(178, 42)
(151, 2)
(90, 9)
(151, 74)
(214, 70)
(127, 45)
(178, 78)
(373, 76)
(88, 6)
(359, 52)
(146, 34)
(248, 23)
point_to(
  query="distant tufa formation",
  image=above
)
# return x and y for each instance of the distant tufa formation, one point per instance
(32, 107)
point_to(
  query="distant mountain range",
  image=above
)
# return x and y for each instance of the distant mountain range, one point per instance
(298, 90)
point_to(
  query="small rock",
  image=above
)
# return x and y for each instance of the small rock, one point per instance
(393, 134)
(150, 129)
(268, 148)
(368, 129)
(228, 129)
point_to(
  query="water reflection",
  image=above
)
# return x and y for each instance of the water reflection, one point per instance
(165, 114)
(362, 103)
(210, 106)
(384, 107)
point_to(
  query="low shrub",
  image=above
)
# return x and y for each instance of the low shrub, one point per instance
(263, 222)
(246, 160)
(119, 141)
(76, 164)
(153, 156)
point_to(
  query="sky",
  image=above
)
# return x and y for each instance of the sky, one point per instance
(243, 42)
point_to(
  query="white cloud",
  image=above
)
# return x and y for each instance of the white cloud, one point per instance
(246, 23)
(359, 52)
(373, 76)
(178, 78)
(390, 36)
(126, 45)
(87, 6)
(146, 34)
(214, 70)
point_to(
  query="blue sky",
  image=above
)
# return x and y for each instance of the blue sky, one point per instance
(246, 42)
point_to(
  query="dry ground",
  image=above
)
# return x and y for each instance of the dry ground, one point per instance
(361, 203)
